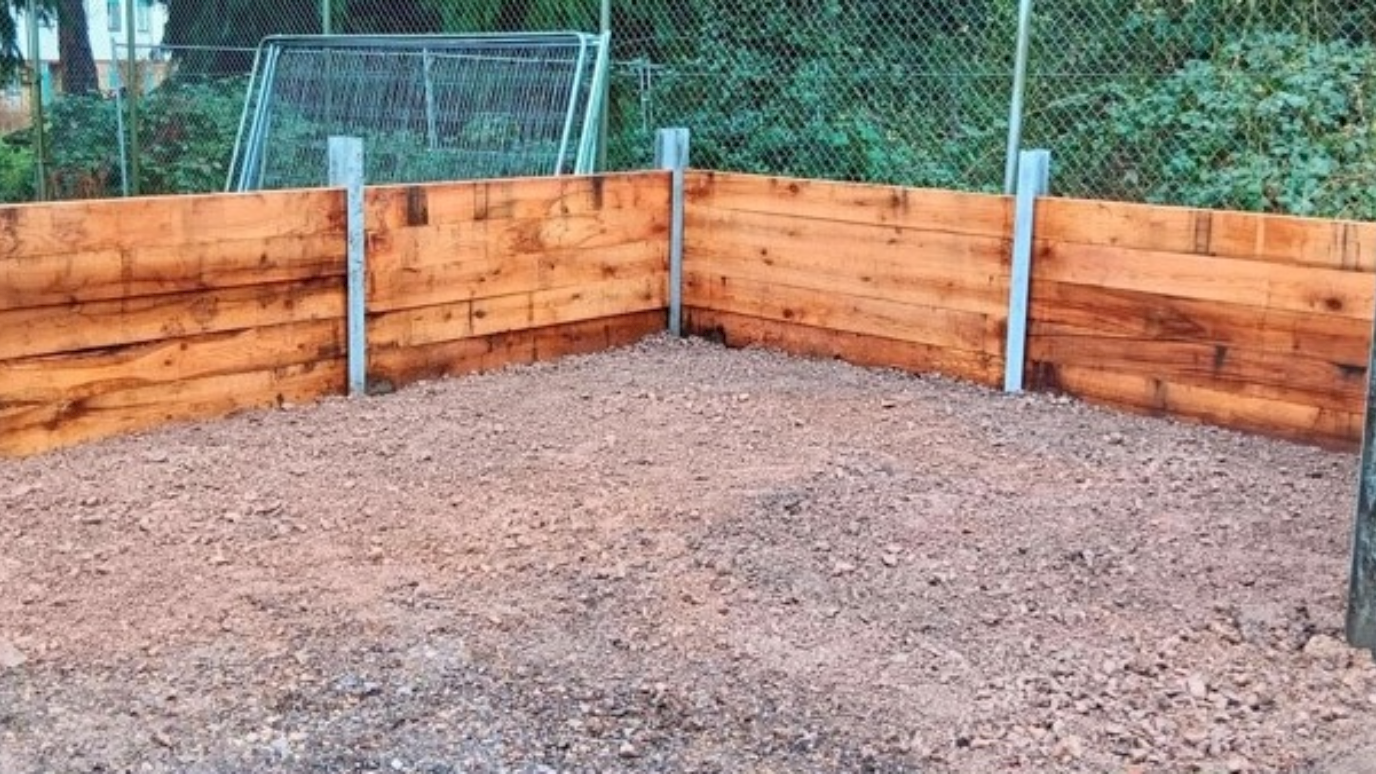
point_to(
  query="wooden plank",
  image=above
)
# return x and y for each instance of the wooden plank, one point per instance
(555, 306)
(923, 209)
(1160, 397)
(44, 427)
(120, 225)
(539, 198)
(1291, 377)
(893, 263)
(79, 376)
(103, 324)
(1345, 341)
(122, 273)
(402, 365)
(423, 267)
(480, 317)
(938, 327)
(736, 330)
(1251, 283)
(1327, 244)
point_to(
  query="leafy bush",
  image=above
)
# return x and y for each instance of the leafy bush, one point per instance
(16, 173)
(186, 138)
(1273, 123)
(83, 148)
(187, 133)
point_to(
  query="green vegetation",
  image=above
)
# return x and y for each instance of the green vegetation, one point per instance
(1253, 104)
(1272, 123)
(188, 132)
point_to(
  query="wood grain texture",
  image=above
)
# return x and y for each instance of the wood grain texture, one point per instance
(1283, 287)
(1162, 397)
(1128, 314)
(450, 276)
(403, 365)
(113, 274)
(121, 315)
(932, 326)
(736, 330)
(118, 225)
(36, 428)
(1256, 322)
(72, 328)
(907, 265)
(523, 199)
(80, 375)
(442, 244)
(501, 314)
(906, 277)
(1326, 244)
(922, 209)
(1293, 378)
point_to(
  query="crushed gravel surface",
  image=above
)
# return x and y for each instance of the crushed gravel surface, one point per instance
(677, 557)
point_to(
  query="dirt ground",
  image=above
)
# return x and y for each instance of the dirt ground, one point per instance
(676, 557)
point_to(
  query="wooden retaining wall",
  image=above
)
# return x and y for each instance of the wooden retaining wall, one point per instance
(117, 316)
(907, 278)
(120, 315)
(1255, 322)
(467, 277)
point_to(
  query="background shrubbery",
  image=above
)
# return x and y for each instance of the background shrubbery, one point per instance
(1252, 104)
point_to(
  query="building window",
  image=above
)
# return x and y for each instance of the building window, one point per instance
(142, 10)
(115, 15)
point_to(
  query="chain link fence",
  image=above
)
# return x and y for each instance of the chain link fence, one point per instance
(1247, 104)
(1254, 104)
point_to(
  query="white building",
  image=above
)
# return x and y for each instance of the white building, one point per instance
(106, 20)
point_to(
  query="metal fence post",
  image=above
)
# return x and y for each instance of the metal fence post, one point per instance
(133, 85)
(1361, 595)
(604, 25)
(346, 170)
(1034, 178)
(40, 145)
(1015, 104)
(671, 153)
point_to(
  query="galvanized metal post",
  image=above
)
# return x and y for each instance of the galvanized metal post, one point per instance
(1015, 106)
(40, 130)
(346, 171)
(326, 18)
(604, 25)
(671, 153)
(432, 124)
(1034, 178)
(1361, 594)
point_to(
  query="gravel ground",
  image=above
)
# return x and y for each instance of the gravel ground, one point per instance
(675, 557)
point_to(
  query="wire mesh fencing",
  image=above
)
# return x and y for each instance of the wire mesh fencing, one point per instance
(1254, 104)
(428, 108)
(1257, 105)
